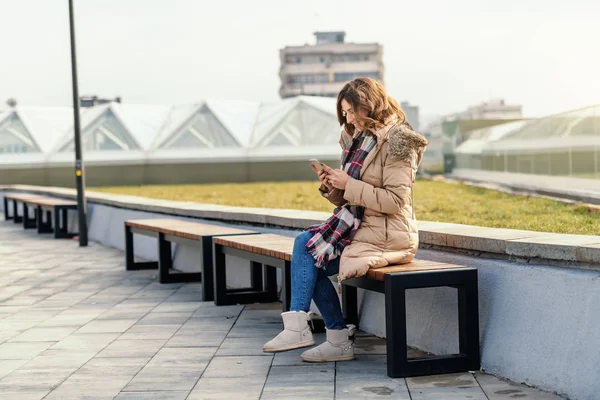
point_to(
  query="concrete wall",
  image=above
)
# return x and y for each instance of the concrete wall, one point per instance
(157, 174)
(539, 324)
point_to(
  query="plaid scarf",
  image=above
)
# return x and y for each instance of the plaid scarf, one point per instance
(332, 236)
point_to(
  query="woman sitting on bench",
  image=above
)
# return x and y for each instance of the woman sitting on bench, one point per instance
(373, 225)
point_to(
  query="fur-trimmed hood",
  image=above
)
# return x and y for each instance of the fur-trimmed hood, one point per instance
(406, 144)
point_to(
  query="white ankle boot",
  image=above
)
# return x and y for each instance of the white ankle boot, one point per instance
(296, 333)
(338, 347)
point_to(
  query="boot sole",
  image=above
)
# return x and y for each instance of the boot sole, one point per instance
(289, 347)
(324, 360)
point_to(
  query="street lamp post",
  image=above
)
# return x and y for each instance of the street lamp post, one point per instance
(79, 170)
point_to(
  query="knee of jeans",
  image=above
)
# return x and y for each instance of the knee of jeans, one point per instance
(301, 240)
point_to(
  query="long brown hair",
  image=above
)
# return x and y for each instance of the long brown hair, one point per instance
(369, 95)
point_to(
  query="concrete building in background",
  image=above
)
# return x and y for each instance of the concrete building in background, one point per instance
(493, 109)
(323, 68)
(412, 114)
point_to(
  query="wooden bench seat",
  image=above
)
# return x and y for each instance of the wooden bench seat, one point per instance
(178, 231)
(55, 212)
(393, 281)
(266, 253)
(15, 199)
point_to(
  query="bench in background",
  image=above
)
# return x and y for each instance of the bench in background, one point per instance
(178, 231)
(15, 199)
(56, 212)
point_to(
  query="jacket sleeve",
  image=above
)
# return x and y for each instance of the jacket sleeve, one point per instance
(389, 199)
(335, 196)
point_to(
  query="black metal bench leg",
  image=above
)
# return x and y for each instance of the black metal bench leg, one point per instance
(28, 222)
(350, 304)
(208, 292)
(16, 217)
(7, 216)
(271, 283)
(220, 276)
(395, 326)
(129, 260)
(286, 286)
(256, 277)
(57, 227)
(44, 225)
(130, 264)
(165, 259)
(468, 320)
(65, 221)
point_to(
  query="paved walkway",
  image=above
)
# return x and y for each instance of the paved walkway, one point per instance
(75, 325)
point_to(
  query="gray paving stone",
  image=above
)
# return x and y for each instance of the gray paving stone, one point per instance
(447, 393)
(238, 367)
(8, 366)
(196, 325)
(44, 334)
(500, 389)
(22, 350)
(150, 331)
(254, 317)
(366, 378)
(222, 311)
(152, 294)
(242, 347)
(85, 341)
(162, 395)
(227, 388)
(446, 380)
(172, 370)
(177, 307)
(107, 326)
(157, 318)
(24, 393)
(132, 348)
(290, 382)
(200, 339)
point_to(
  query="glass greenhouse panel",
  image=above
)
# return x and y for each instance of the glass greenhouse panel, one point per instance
(304, 125)
(105, 133)
(14, 137)
(201, 131)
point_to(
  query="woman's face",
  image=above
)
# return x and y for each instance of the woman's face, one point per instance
(352, 117)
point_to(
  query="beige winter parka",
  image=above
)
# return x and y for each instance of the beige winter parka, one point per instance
(388, 232)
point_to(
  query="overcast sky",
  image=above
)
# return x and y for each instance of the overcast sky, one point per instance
(440, 55)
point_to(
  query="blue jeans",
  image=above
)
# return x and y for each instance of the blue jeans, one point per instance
(312, 283)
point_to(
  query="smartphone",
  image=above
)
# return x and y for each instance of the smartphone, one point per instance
(316, 165)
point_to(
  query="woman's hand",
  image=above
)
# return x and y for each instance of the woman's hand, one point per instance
(336, 178)
(323, 179)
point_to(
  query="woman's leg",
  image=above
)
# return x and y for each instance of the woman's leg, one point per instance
(296, 332)
(339, 345)
(326, 297)
(304, 274)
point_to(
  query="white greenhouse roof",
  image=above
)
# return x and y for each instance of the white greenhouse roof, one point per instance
(480, 137)
(238, 117)
(44, 124)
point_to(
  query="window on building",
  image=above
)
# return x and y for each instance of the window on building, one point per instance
(348, 76)
(306, 79)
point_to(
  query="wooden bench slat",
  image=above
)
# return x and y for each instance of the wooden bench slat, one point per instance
(185, 229)
(268, 244)
(50, 202)
(22, 196)
(414, 266)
